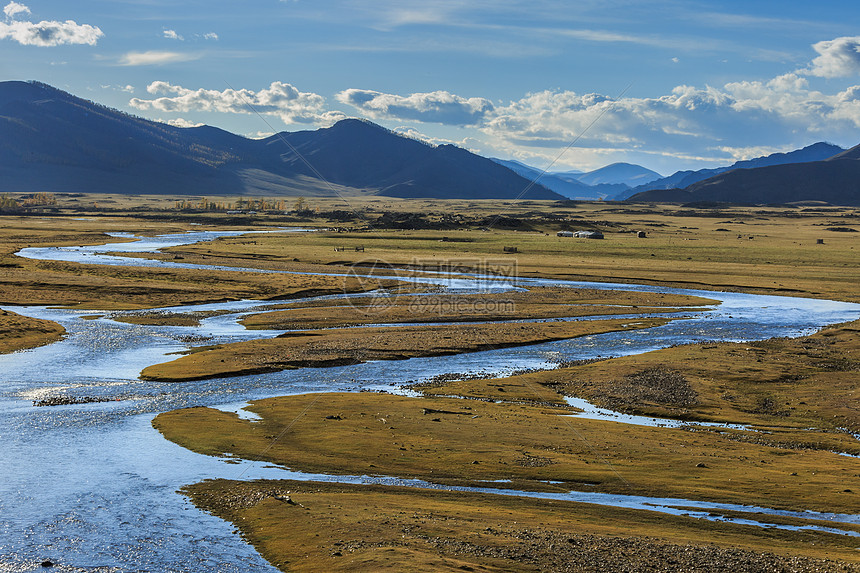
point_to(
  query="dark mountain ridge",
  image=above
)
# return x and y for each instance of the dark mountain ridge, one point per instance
(53, 141)
(683, 179)
(835, 180)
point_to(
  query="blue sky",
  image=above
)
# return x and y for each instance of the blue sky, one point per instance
(667, 84)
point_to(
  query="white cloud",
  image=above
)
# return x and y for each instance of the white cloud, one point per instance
(413, 133)
(45, 33)
(688, 118)
(180, 122)
(279, 99)
(837, 58)
(126, 88)
(172, 35)
(433, 107)
(13, 9)
(156, 58)
(210, 36)
(743, 153)
(710, 124)
(259, 134)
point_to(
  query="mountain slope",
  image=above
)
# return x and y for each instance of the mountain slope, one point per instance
(53, 141)
(362, 154)
(683, 179)
(835, 181)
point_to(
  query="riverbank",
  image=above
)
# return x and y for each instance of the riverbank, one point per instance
(802, 391)
(21, 332)
(300, 526)
(470, 442)
(93, 286)
(316, 349)
(537, 302)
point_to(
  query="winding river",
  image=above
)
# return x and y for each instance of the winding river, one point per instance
(93, 487)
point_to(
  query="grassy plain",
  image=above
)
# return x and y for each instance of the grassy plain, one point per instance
(694, 248)
(799, 397)
(25, 281)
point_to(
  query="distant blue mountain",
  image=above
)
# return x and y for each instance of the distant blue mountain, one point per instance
(627, 174)
(568, 183)
(562, 183)
(683, 179)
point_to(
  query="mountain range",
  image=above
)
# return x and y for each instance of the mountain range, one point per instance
(606, 182)
(683, 179)
(53, 141)
(835, 180)
(818, 172)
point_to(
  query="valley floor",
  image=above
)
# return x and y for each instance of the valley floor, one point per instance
(797, 401)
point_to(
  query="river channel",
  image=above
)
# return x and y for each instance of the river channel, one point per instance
(93, 487)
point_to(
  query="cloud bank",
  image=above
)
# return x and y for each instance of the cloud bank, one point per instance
(433, 107)
(837, 58)
(707, 123)
(45, 33)
(279, 99)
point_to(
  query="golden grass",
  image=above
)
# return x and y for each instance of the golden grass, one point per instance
(513, 429)
(352, 346)
(454, 441)
(803, 390)
(697, 249)
(20, 332)
(536, 303)
(26, 281)
(331, 527)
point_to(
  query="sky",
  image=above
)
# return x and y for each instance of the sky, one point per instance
(666, 84)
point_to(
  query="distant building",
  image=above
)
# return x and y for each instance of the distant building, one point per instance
(588, 235)
(564, 234)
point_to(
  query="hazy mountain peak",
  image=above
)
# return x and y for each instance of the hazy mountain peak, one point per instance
(619, 173)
